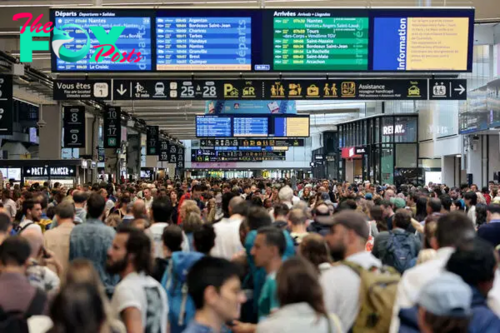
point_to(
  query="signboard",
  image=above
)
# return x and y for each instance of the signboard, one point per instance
(6, 106)
(213, 126)
(349, 152)
(153, 140)
(163, 157)
(250, 107)
(448, 89)
(172, 154)
(128, 31)
(141, 89)
(112, 127)
(207, 155)
(180, 157)
(74, 126)
(46, 171)
(76, 89)
(318, 157)
(360, 151)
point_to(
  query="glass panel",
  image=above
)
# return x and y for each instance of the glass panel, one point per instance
(406, 156)
(387, 164)
(405, 129)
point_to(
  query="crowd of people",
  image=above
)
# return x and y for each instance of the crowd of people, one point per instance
(249, 255)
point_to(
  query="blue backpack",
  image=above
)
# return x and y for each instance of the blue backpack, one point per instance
(181, 306)
(401, 251)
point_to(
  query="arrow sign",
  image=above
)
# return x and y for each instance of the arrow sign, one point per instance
(121, 91)
(461, 89)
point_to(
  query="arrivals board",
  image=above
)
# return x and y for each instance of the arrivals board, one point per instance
(271, 40)
(252, 142)
(250, 126)
(213, 126)
(86, 29)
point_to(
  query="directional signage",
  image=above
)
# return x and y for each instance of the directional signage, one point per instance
(140, 89)
(152, 140)
(257, 142)
(46, 171)
(83, 89)
(6, 110)
(180, 157)
(74, 126)
(172, 154)
(112, 127)
(163, 157)
(448, 89)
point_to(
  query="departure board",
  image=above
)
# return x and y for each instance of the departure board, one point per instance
(204, 43)
(321, 43)
(80, 30)
(291, 127)
(213, 126)
(250, 126)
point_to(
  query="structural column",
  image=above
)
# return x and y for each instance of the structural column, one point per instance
(51, 133)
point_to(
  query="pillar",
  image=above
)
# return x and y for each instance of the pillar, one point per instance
(134, 154)
(51, 133)
(448, 170)
(91, 142)
(474, 161)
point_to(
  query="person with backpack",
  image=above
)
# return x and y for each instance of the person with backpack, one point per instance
(398, 248)
(215, 289)
(139, 300)
(19, 300)
(32, 212)
(350, 286)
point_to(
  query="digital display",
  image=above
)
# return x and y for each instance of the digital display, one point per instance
(251, 126)
(320, 43)
(421, 43)
(291, 127)
(204, 43)
(128, 31)
(213, 126)
(207, 155)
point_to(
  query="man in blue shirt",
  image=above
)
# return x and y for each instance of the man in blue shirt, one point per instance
(215, 288)
(92, 239)
(491, 230)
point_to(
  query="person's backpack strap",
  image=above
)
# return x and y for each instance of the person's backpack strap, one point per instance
(37, 304)
(25, 227)
(336, 323)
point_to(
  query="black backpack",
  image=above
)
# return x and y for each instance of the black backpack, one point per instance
(401, 251)
(17, 321)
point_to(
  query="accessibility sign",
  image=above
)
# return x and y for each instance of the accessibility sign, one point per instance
(449, 89)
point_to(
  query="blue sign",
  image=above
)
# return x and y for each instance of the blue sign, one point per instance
(135, 38)
(250, 107)
(204, 43)
(251, 126)
(219, 127)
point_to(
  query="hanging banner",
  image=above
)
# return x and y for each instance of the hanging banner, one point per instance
(112, 127)
(74, 126)
(163, 157)
(172, 153)
(250, 107)
(153, 140)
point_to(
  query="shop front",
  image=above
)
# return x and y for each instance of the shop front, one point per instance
(382, 149)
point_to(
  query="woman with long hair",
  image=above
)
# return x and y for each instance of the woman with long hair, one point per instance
(376, 214)
(315, 249)
(421, 209)
(301, 300)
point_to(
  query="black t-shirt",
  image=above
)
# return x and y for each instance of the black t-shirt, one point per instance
(389, 222)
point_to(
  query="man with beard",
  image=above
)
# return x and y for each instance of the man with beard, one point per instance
(32, 211)
(341, 284)
(139, 300)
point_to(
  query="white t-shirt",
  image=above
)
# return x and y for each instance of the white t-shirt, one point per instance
(156, 232)
(144, 293)
(227, 238)
(30, 225)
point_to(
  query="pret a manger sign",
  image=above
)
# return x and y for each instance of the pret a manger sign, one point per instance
(106, 38)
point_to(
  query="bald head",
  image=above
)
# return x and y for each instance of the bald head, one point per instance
(139, 209)
(233, 203)
(35, 238)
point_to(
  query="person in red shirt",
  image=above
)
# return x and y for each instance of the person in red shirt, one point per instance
(195, 195)
(486, 195)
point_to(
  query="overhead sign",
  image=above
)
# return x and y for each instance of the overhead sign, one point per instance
(6, 106)
(74, 126)
(250, 107)
(47, 171)
(254, 142)
(75, 89)
(448, 89)
(208, 155)
(141, 89)
(172, 154)
(112, 127)
(152, 140)
(163, 157)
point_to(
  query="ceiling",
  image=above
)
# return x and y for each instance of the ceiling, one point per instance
(177, 118)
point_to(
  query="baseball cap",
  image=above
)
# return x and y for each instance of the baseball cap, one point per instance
(325, 196)
(353, 221)
(447, 295)
(368, 196)
(398, 203)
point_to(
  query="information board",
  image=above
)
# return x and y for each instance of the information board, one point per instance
(112, 127)
(163, 157)
(213, 126)
(203, 43)
(323, 43)
(291, 127)
(74, 126)
(250, 126)
(152, 140)
(88, 29)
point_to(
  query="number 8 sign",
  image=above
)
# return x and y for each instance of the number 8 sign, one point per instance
(74, 126)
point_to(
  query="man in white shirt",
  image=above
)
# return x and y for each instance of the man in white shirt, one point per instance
(452, 229)
(341, 283)
(286, 196)
(139, 300)
(227, 231)
(32, 211)
(160, 214)
(148, 198)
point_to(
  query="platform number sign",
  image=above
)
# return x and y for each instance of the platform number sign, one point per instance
(163, 151)
(74, 126)
(180, 157)
(112, 127)
(153, 140)
(172, 154)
